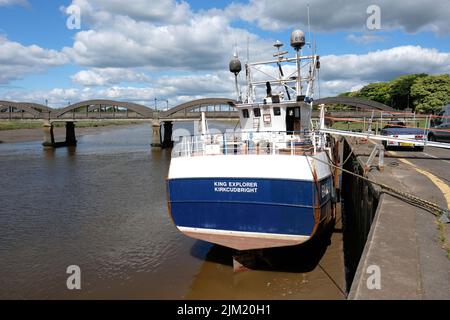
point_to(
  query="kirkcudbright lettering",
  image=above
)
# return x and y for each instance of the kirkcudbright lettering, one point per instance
(236, 187)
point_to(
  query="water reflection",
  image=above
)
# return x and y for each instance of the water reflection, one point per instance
(299, 272)
(102, 206)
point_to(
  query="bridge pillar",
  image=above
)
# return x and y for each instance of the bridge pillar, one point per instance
(168, 129)
(71, 139)
(156, 135)
(49, 137)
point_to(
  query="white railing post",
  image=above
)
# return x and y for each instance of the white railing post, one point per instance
(322, 116)
(427, 126)
(189, 147)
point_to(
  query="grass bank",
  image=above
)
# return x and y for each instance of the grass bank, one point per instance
(16, 125)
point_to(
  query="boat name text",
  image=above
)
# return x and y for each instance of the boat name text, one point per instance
(236, 187)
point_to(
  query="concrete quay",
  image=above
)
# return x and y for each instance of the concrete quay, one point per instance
(406, 253)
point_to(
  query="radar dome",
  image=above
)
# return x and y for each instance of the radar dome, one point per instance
(235, 65)
(297, 39)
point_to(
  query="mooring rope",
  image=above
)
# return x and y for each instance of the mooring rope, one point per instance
(429, 206)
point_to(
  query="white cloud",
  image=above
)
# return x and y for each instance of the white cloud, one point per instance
(332, 15)
(108, 76)
(332, 88)
(365, 38)
(177, 89)
(169, 35)
(23, 3)
(202, 41)
(99, 12)
(205, 43)
(338, 74)
(219, 84)
(350, 72)
(17, 60)
(383, 65)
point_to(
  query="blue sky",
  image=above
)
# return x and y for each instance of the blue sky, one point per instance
(178, 50)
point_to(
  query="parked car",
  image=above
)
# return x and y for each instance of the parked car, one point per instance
(440, 127)
(396, 129)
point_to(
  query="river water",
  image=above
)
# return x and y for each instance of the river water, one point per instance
(102, 206)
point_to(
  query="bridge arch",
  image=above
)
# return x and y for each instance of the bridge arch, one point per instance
(196, 104)
(37, 106)
(359, 103)
(21, 106)
(92, 105)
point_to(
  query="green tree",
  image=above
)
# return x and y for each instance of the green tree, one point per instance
(377, 92)
(430, 93)
(400, 90)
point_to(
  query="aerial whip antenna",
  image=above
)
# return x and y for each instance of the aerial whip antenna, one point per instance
(248, 49)
(309, 27)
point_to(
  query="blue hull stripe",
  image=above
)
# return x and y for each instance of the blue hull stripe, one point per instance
(248, 205)
(244, 217)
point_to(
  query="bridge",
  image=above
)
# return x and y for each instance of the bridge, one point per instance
(93, 110)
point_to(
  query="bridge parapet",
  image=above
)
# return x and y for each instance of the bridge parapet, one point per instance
(359, 103)
(214, 107)
(104, 109)
(21, 110)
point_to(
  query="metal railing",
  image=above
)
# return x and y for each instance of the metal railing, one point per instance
(249, 143)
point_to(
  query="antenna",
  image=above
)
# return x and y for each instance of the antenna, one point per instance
(248, 48)
(250, 89)
(317, 67)
(309, 26)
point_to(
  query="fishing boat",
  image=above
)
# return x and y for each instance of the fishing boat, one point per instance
(269, 183)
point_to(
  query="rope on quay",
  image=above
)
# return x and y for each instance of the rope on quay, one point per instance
(429, 206)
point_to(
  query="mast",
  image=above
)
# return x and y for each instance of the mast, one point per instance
(299, 74)
(297, 42)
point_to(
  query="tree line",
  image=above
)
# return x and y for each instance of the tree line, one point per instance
(420, 92)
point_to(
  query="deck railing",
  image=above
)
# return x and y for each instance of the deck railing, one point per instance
(249, 143)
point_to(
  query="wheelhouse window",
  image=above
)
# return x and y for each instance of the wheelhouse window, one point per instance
(277, 111)
(257, 112)
(245, 113)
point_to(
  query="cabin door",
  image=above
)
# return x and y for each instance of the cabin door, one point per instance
(293, 120)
